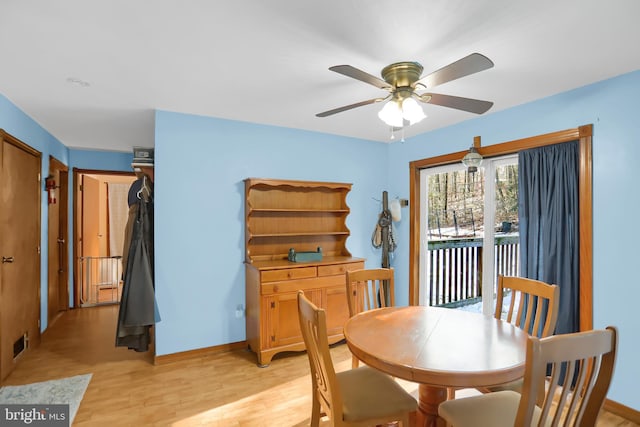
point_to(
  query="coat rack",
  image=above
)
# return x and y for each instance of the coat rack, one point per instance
(385, 222)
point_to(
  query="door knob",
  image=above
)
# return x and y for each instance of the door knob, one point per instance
(7, 259)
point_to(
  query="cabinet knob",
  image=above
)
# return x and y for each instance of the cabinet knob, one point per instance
(7, 259)
(276, 288)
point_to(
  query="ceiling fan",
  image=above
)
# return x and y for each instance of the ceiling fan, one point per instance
(402, 80)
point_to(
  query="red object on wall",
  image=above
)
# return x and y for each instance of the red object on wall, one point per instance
(50, 186)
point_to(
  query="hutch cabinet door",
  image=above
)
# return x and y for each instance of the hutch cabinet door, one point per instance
(335, 304)
(283, 324)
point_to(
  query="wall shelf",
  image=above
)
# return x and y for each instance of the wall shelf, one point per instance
(318, 233)
(264, 210)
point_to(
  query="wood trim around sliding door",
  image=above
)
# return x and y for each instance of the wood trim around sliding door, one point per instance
(583, 135)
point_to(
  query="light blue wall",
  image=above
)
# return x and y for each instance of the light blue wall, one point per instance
(23, 127)
(612, 107)
(101, 160)
(199, 213)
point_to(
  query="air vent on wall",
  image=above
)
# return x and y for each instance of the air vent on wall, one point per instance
(20, 346)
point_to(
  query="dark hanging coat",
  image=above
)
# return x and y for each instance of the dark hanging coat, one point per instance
(137, 305)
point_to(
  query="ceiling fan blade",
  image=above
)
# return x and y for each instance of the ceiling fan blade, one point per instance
(471, 64)
(357, 74)
(349, 107)
(465, 104)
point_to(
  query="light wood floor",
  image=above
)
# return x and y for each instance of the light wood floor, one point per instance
(220, 390)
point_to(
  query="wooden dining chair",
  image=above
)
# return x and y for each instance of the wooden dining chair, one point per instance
(366, 291)
(357, 397)
(533, 307)
(581, 369)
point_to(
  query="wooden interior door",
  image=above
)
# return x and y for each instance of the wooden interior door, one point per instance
(90, 217)
(58, 290)
(63, 246)
(20, 251)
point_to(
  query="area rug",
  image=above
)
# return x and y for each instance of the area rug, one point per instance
(62, 391)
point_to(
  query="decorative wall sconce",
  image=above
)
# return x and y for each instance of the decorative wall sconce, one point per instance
(50, 186)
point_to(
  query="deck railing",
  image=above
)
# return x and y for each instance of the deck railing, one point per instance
(454, 268)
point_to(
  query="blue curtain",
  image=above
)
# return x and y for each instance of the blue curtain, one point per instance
(548, 216)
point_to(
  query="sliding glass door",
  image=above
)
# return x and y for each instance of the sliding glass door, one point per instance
(469, 230)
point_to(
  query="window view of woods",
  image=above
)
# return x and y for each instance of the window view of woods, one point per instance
(456, 203)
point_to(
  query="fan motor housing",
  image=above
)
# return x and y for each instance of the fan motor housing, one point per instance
(402, 74)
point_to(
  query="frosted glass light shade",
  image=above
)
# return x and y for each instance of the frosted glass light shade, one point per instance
(391, 114)
(411, 111)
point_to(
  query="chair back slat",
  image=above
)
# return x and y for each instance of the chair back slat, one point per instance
(540, 306)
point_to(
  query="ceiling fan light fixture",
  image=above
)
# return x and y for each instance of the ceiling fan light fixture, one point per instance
(411, 111)
(403, 79)
(395, 112)
(391, 114)
(472, 160)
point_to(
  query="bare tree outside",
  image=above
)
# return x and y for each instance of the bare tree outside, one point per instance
(455, 265)
(456, 203)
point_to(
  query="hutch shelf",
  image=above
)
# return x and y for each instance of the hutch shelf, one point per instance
(303, 215)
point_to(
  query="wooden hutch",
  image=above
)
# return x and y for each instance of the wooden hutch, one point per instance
(303, 215)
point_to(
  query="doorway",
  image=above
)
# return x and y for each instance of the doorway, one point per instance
(100, 212)
(58, 261)
(21, 193)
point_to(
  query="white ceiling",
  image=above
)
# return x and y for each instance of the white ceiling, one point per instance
(266, 61)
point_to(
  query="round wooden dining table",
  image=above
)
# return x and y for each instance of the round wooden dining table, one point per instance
(437, 348)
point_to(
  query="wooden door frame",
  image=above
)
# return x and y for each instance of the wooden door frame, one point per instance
(584, 136)
(63, 230)
(76, 215)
